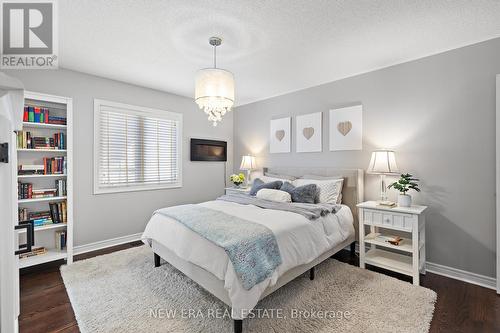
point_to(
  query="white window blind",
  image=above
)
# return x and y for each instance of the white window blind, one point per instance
(136, 148)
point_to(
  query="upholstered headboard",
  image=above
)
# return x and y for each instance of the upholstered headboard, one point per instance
(352, 191)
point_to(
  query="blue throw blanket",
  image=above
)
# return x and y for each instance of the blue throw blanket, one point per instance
(251, 247)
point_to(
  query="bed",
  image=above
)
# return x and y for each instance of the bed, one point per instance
(302, 244)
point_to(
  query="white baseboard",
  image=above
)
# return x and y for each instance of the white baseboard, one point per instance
(106, 243)
(455, 273)
(458, 274)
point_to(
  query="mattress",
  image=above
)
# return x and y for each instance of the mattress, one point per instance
(300, 241)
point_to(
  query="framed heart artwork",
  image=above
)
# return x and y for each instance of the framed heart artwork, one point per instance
(308, 133)
(346, 128)
(280, 138)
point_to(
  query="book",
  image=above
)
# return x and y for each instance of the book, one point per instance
(387, 203)
(64, 212)
(36, 117)
(52, 213)
(60, 140)
(24, 190)
(34, 169)
(30, 167)
(36, 114)
(22, 214)
(58, 212)
(60, 240)
(61, 187)
(31, 114)
(54, 165)
(39, 218)
(61, 215)
(43, 193)
(35, 251)
(42, 143)
(55, 212)
(25, 140)
(57, 120)
(26, 114)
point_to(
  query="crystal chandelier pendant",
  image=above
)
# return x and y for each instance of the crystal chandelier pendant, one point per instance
(214, 89)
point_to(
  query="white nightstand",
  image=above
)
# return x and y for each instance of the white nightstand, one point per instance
(409, 257)
(230, 190)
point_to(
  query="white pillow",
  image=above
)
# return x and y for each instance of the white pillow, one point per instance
(274, 195)
(329, 190)
(316, 177)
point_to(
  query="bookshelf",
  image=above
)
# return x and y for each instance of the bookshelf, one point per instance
(42, 150)
(51, 255)
(47, 227)
(42, 176)
(43, 125)
(58, 198)
(52, 160)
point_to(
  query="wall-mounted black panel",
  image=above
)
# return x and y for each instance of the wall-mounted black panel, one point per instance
(208, 150)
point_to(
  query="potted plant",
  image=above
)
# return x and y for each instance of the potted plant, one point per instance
(403, 185)
(237, 180)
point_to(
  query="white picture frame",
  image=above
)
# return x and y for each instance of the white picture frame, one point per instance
(346, 128)
(308, 133)
(280, 138)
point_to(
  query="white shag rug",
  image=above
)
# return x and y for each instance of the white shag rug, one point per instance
(123, 292)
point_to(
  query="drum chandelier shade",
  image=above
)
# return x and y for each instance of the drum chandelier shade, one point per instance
(214, 89)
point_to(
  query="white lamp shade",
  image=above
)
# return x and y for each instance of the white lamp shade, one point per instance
(383, 162)
(247, 162)
(214, 87)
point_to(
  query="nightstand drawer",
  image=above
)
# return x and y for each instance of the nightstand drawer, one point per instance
(389, 220)
(237, 190)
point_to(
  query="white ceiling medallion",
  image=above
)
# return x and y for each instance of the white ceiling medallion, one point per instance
(214, 90)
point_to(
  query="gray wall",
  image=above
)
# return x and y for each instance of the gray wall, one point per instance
(105, 216)
(438, 113)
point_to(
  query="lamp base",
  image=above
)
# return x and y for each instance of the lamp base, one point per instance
(383, 189)
(247, 179)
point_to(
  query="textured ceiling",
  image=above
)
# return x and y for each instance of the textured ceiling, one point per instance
(272, 47)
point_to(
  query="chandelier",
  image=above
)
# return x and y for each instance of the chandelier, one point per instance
(214, 88)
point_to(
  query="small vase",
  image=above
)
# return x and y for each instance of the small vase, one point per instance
(236, 185)
(404, 200)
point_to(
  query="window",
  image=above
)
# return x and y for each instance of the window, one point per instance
(135, 148)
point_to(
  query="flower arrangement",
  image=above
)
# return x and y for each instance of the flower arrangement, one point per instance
(237, 179)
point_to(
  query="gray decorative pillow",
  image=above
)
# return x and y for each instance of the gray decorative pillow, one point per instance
(258, 184)
(305, 194)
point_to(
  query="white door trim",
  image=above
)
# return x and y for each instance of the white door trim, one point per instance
(9, 281)
(498, 180)
(11, 115)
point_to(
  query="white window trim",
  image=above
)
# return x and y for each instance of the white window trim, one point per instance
(139, 110)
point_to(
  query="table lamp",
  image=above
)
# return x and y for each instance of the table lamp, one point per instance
(248, 164)
(383, 162)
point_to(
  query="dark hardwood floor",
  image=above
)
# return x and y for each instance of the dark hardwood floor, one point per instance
(460, 307)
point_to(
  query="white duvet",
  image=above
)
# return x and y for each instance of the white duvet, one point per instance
(300, 241)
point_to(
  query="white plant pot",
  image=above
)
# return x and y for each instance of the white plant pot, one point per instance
(404, 200)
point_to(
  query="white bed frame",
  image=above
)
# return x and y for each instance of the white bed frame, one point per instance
(352, 194)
